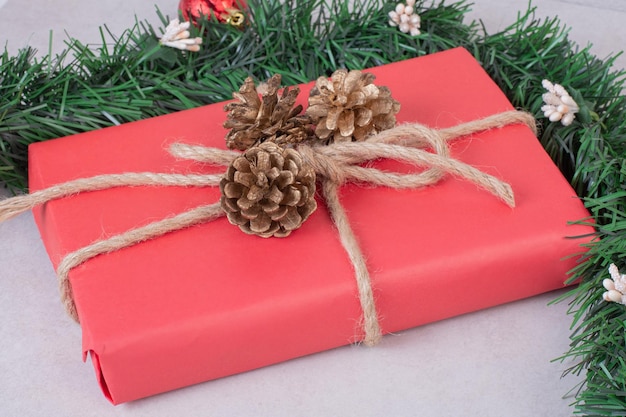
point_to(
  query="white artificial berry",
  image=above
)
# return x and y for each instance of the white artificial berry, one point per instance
(177, 36)
(559, 105)
(405, 18)
(615, 286)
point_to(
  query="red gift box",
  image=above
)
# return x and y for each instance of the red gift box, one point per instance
(210, 301)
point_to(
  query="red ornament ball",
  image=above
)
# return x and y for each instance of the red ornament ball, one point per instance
(223, 10)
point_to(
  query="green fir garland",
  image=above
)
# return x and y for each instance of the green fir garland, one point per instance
(132, 77)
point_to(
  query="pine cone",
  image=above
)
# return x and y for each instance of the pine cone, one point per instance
(268, 191)
(348, 107)
(254, 120)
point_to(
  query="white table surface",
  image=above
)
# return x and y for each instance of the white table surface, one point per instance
(496, 362)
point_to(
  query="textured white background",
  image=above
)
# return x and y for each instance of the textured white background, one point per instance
(496, 362)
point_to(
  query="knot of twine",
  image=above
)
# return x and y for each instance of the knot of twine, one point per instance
(334, 164)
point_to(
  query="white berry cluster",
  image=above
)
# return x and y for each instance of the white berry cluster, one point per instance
(615, 286)
(560, 106)
(405, 18)
(177, 36)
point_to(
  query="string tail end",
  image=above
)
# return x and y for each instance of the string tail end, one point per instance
(509, 196)
(14, 206)
(373, 339)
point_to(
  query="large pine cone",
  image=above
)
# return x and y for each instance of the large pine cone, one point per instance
(253, 119)
(268, 191)
(348, 107)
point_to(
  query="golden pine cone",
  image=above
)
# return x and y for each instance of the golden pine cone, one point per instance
(348, 107)
(253, 119)
(268, 191)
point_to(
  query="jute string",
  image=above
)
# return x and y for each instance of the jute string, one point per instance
(335, 164)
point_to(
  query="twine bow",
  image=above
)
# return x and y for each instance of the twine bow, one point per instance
(334, 165)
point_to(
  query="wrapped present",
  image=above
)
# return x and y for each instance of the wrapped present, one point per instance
(209, 301)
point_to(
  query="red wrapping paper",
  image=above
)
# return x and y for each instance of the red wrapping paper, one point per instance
(210, 301)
